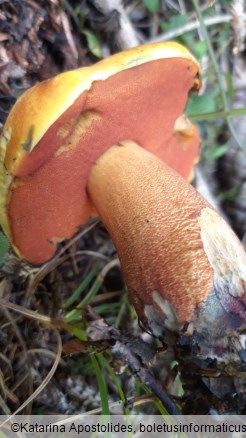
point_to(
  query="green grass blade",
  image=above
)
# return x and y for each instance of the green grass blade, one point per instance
(76, 313)
(234, 112)
(4, 247)
(101, 385)
(116, 382)
(82, 286)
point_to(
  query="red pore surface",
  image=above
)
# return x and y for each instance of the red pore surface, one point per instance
(48, 199)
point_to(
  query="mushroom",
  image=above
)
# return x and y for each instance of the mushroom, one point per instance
(111, 140)
(60, 127)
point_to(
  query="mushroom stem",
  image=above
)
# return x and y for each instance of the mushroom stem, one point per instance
(151, 214)
(177, 254)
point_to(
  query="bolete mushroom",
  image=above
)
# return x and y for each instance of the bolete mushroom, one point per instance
(60, 127)
(65, 156)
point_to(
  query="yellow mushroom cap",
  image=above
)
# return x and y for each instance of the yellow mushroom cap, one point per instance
(58, 128)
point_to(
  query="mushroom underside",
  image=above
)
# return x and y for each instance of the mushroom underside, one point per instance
(48, 195)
